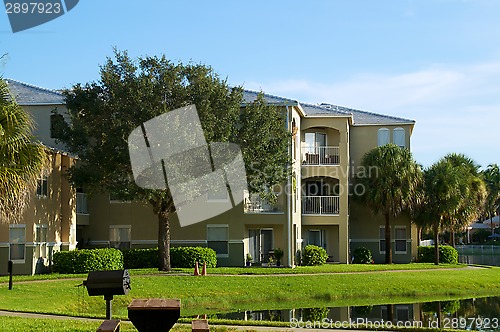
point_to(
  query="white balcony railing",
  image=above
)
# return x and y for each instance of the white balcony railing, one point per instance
(320, 155)
(81, 203)
(321, 205)
(253, 203)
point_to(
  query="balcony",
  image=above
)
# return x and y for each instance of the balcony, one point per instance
(253, 203)
(320, 155)
(321, 205)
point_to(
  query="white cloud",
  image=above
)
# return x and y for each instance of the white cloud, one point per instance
(457, 108)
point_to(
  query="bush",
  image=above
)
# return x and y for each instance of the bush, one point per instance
(87, 260)
(314, 255)
(187, 256)
(362, 256)
(140, 258)
(447, 254)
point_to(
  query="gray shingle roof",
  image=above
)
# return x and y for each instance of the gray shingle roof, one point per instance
(28, 94)
(250, 96)
(362, 117)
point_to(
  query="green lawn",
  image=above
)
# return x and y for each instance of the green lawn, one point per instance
(217, 293)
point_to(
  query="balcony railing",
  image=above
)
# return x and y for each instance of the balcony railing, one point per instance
(253, 203)
(81, 203)
(320, 155)
(321, 205)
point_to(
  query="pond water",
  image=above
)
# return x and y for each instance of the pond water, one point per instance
(481, 314)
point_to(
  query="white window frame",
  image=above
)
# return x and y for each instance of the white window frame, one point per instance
(112, 227)
(381, 237)
(396, 251)
(42, 183)
(385, 131)
(396, 134)
(41, 246)
(227, 236)
(23, 260)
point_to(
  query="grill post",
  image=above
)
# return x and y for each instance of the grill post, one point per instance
(109, 306)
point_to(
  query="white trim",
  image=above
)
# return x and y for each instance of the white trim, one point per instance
(188, 241)
(236, 241)
(4, 245)
(364, 240)
(144, 242)
(384, 124)
(120, 226)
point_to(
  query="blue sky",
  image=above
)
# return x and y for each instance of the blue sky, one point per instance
(434, 61)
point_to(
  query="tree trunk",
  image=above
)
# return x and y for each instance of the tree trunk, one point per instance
(388, 246)
(453, 238)
(164, 240)
(436, 244)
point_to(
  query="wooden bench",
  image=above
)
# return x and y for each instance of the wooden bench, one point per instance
(154, 314)
(199, 325)
(112, 325)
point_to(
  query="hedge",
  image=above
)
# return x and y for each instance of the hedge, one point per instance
(87, 260)
(447, 254)
(140, 258)
(179, 257)
(362, 255)
(314, 255)
(188, 256)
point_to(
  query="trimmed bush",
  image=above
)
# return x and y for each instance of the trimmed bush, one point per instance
(188, 256)
(447, 254)
(314, 255)
(140, 258)
(87, 260)
(362, 255)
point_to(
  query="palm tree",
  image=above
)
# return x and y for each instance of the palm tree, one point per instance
(454, 195)
(394, 189)
(21, 160)
(491, 177)
(473, 196)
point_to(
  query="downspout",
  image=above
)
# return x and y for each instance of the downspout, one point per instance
(289, 199)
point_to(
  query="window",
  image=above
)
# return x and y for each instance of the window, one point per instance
(81, 202)
(41, 241)
(17, 242)
(317, 237)
(218, 239)
(42, 189)
(381, 239)
(119, 236)
(56, 125)
(400, 239)
(115, 199)
(399, 137)
(314, 141)
(383, 136)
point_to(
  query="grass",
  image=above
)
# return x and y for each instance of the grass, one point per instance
(21, 324)
(220, 293)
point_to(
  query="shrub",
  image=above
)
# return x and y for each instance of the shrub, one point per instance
(362, 256)
(187, 256)
(86, 260)
(447, 254)
(314, 255)
(140, 258)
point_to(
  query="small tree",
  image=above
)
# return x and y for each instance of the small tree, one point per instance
(130, 92)
(394, 188)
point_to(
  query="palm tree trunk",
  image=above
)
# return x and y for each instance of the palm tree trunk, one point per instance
(164, 240)
(388, 246)
(436, 244)
(453, 238)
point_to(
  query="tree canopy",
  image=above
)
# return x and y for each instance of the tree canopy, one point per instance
(132, 91)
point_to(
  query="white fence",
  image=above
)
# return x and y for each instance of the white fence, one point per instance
(320, 205)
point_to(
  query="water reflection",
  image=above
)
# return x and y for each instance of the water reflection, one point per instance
(469, 314)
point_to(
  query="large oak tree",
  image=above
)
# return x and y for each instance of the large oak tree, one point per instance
(131, 91)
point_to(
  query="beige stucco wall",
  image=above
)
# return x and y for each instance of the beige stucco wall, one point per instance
(41, 117)
(56, 212)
